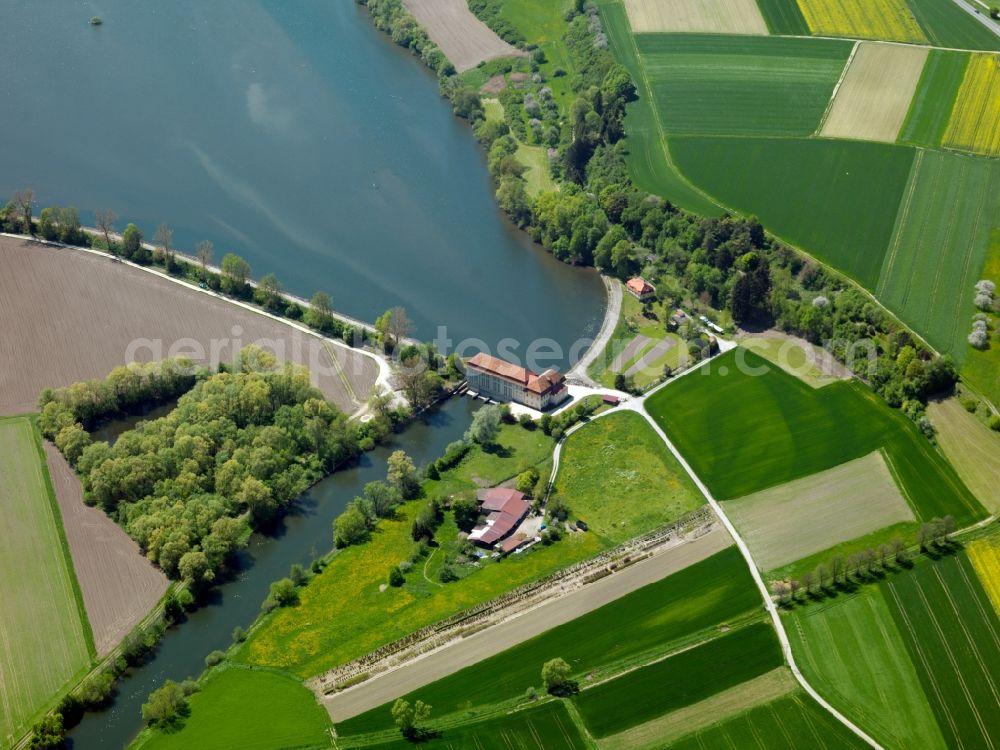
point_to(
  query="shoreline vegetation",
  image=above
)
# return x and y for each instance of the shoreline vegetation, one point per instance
(569, 96)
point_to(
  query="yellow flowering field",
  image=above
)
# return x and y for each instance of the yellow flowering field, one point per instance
(888, 20)
(975, 121)
(985, 556)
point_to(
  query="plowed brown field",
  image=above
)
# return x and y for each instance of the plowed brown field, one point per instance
(464, 39)
(68, 315)
(119, 584)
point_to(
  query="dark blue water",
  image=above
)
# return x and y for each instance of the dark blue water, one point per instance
(293, 133)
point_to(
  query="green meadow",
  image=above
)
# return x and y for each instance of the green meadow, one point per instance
(663, 616)
(681, 680)
(953, 637)
(618, 476)
(647, 154)
(939, 246)
(934, 98)
(779, 725)
(545, 727)
(947, 25)
(745, 432)
(709, 84)
(851, 651)
(45, 638)
(836, 200)
(228, 712)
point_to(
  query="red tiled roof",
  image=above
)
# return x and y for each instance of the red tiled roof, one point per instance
(513, 543)
(499, 367)
(496, 499)
(640, 286)
(550, 380)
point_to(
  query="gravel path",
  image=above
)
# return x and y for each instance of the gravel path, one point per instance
(661, 348)
(579, 371)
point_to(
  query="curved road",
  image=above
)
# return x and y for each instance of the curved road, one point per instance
(579, 371)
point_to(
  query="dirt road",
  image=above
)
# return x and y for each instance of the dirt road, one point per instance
(449, 659)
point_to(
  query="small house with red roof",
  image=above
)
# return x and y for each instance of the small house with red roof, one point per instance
(641, 289)
(502, 381)
(506, 508)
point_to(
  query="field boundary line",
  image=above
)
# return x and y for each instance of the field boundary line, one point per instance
(836, 88)
(769, 603)
(894, 42)
(902, 217)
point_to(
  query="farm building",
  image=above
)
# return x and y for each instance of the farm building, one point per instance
(641, 289)
(506, 508)
(503, 381)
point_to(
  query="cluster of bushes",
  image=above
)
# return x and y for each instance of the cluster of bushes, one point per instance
(979, 337)
(378, 500)
(238, 448)
(557, 425)
(845, 572)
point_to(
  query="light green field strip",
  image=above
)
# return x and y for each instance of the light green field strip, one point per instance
(972, 448)
(851, 652)
(939, 244)
(655, 733)
(809, 363)
(873, 99)
(796, 519)
(537, 176)
(711, 16)
(43, 638)
(493, 110)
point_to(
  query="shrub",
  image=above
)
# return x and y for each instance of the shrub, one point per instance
(239, 634)
(995, 423)
(447, 574)
(215, 657)
(396, 578)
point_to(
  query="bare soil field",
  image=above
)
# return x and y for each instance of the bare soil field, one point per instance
(119, 584)
(710, 16)
(484, 643)
(464, 39)
(796, 356)
(874, 96)
(69, 315)
(799, 518)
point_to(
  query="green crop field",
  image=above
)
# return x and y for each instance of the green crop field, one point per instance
(709, 84)
(648, 159)
(947, 25)
(835, 199)
(783, 17)
(934, 99)
(45, 638)
(618, 476)
(545, 727)
(851, 652)
(663, 616)
(953, 636)
(939, 246)
(785, 724)
(230, 710)
(797, 431)
(681, 680)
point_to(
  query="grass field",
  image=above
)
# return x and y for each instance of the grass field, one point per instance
(617, 475)
(888, 20)
(852, 653)
(784, 17)
(660, 617)
(985, 556)
(45, 640)
(797, 431)
(545, 727)
(786, 724)
(708, 84)
(786, 523)
(538, 177)
(812, 364)
(835, 199)
(663, 730)
(953, 637)
(648, 159)
(939, 246)
(972, 448)
(227, 713)
(934, 98)
(682, 679)
(712, 16)
(975, 119)
(544, 24)
(947, 25)
(875, 94)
